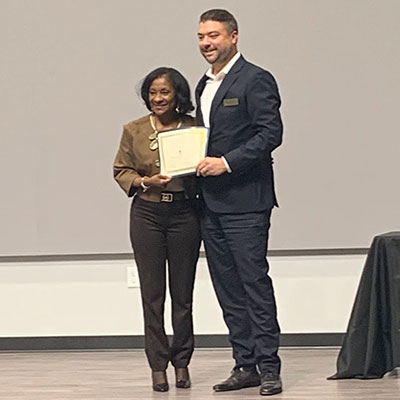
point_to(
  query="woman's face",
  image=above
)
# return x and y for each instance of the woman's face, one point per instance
(162, 96)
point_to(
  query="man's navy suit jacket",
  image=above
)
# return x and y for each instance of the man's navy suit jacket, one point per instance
(245, 127)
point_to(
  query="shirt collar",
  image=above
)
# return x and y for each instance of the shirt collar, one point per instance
(221, 74)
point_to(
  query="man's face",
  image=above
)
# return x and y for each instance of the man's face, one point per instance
(216, 44)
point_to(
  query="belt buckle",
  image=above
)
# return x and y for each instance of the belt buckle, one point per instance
(167, 197)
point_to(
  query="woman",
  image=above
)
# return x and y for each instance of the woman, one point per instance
(163, 224)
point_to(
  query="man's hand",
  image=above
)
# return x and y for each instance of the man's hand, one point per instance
(211, 166)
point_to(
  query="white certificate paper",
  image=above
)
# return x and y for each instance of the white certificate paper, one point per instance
(181, 150)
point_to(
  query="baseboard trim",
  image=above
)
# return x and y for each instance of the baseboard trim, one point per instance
(137, 342)
(129, 256)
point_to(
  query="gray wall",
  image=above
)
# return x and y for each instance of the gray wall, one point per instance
(91, 298)
(68, 73)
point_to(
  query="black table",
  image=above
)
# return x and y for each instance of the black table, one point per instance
(371, 346)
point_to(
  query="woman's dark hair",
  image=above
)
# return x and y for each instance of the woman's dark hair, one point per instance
(179, 83)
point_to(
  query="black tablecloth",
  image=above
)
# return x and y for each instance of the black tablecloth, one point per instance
(371, 346)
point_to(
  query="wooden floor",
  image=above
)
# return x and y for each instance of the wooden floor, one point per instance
(125, 375)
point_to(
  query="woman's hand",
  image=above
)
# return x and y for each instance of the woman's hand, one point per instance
(157, 180)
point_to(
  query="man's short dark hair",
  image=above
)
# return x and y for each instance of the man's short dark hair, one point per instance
(179, 83)
(222, 16)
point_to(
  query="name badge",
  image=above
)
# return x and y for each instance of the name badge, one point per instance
(231, 102)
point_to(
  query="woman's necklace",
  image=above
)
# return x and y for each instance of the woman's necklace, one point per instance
(153, 136)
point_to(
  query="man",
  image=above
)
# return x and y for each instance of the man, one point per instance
(239, 102)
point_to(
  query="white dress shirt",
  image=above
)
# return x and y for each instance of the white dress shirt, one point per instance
(212, 85)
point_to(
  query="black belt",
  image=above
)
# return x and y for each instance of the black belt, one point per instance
(170, 197)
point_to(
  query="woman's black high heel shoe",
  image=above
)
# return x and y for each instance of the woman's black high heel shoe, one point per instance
(160, 382)
(182, 378)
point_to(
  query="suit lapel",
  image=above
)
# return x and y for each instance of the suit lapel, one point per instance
(199, 90)
(229, 79)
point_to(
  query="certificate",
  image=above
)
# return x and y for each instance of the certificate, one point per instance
(181, 150)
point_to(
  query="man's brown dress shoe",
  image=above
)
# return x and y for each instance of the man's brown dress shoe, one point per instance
(160, 382)
(240, 378)
(182, 378)
(270, 384)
